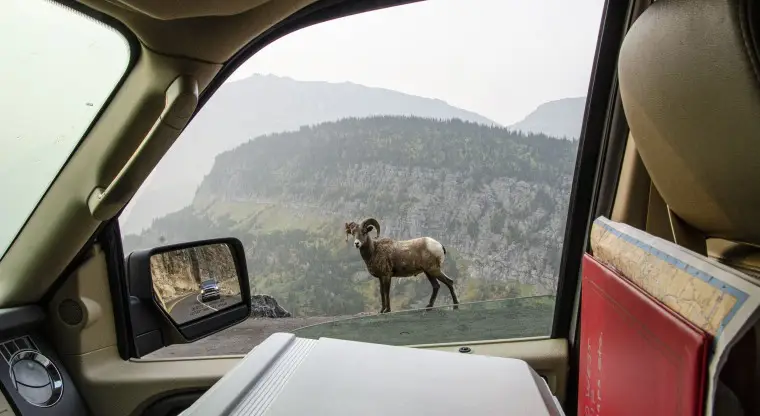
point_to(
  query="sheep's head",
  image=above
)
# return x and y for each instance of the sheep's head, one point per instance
(361, 231)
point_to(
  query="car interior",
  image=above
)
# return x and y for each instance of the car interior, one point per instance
(667, 147)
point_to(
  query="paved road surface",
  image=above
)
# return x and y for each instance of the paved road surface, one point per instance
(239, 339)
(190, 306)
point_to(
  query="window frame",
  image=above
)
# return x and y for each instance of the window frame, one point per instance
(600, 140)
(134, 55)
(609, 139)
(594, 139)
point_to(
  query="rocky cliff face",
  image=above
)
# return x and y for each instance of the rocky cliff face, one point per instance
(506, 229)
(496, 199)
(179, 273)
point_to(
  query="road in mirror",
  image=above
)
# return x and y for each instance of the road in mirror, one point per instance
(194, 282)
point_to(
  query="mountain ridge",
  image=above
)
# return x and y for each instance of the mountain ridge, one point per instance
(497, 200)
(233, 116)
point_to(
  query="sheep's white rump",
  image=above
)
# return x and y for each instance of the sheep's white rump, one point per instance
(435, 247)
(430, 245)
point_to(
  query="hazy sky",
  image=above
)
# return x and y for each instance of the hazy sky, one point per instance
(499, 58)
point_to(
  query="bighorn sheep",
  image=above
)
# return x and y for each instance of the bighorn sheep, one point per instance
(386, 258)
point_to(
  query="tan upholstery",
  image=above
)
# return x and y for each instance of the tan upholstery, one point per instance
(171, 10)
(205, 30)
(743, 257)
(688, 73)
(689, 84)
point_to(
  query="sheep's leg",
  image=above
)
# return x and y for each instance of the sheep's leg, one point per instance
(381, 285)
(436, 286)
(449, 284)
(386, 281)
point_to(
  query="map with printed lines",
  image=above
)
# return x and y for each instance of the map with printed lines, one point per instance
(698, 297)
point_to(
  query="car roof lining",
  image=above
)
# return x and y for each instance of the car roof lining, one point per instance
(210, 31)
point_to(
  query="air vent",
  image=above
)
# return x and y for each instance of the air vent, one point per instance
(8, 348)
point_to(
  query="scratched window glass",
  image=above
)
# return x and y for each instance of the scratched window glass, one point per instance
(406, 186)
(44, 114)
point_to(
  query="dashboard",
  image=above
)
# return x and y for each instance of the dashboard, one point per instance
(33, 381)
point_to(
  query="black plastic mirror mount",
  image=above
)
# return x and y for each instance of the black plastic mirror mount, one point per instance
(152, 327)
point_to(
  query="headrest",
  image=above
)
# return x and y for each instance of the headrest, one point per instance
(688, 73)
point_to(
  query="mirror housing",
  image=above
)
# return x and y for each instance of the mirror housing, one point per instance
(152, 324)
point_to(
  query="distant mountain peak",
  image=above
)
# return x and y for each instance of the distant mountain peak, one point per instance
(562, 118)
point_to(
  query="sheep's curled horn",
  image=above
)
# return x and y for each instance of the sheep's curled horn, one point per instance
(373, 222)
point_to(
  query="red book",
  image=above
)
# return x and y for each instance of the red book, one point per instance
(637, 357)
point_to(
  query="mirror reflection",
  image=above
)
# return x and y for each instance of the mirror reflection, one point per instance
(194, 282)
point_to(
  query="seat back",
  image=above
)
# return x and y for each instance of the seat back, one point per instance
(689, 74)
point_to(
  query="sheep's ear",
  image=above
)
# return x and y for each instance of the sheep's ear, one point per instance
(370, 228)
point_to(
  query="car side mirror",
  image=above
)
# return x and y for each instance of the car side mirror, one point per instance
(183, 292)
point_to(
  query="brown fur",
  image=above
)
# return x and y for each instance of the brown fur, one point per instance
(386, 258)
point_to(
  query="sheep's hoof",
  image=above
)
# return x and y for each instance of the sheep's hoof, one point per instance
(456, 307)
(429, 307)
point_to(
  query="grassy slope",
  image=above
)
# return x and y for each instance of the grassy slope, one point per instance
(265, 218)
